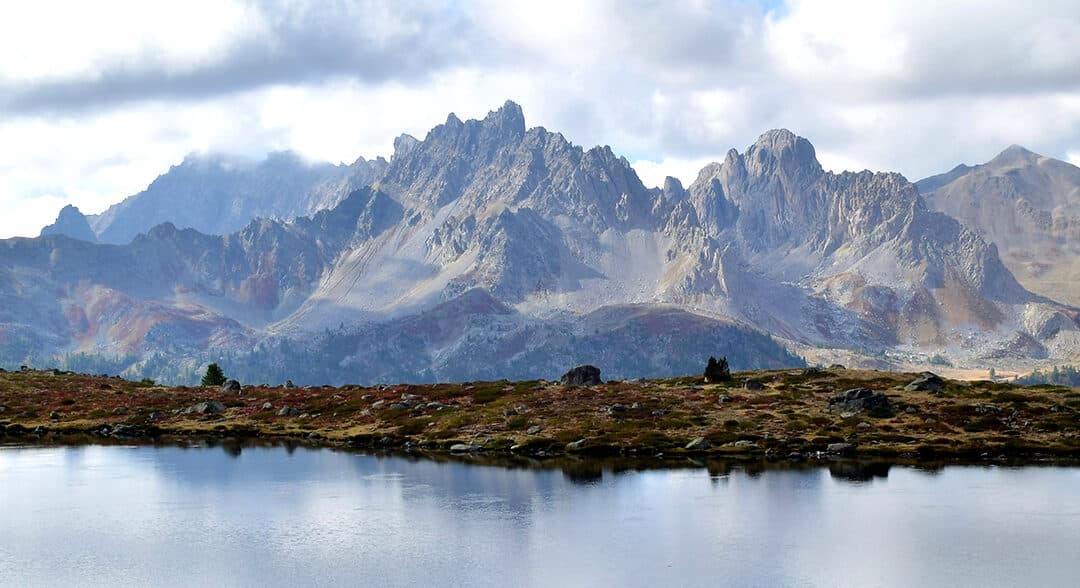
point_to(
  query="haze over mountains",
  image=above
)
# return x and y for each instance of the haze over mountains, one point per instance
(492, 250)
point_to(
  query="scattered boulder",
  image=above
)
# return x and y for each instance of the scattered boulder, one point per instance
(289, 385)
(699, 444)
(288, 411)
(532, 430)
(863, 425)
(837, 366)
(582, 375)
(744, 443)
(926, 382)
(399, 406)
(812, 371)
(576, 445)
(616, 409)
(54, 416)
(156, 415)
(840, 448)
(231, 387)
(120, 411)
(267, 406)
(723, 398)
(464, 448)
(207, 407)
(859, 399)
(752, 384)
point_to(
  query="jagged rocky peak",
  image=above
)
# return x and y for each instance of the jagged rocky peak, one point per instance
(781, 151)
(508, 120)
(71, 223)
(403, 144)
(673, 189)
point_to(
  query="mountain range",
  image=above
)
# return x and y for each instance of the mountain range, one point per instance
(489, 249)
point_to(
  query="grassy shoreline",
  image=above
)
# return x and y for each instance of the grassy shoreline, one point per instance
(788, 419)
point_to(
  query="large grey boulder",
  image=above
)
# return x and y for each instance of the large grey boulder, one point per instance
(926, 382)
(859, 399)
(206, 407)
(753, 385)
(231, 387)
(582, 375)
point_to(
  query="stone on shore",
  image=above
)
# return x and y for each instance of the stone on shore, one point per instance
(699, 444)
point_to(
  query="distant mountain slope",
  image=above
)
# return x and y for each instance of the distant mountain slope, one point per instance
(489, 249)
(1027, 204)
(72, 223)
(217, 194)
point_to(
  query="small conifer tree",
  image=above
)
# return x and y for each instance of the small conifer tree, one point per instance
(214, 376)
(717, 370)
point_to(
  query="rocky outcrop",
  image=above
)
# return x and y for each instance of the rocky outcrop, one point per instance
(859, 399)
(205, 407)
(926, 382)
(582, 375)
(231, 387)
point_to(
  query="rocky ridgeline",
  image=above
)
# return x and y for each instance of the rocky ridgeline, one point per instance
(489, 239)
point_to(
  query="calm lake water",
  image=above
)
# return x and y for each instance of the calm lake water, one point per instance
(147, 516)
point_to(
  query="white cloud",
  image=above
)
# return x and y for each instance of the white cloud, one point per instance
(59, 38)
(653, 173)
(103, 100)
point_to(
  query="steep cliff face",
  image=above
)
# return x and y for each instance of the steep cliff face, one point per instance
(1029, 206)
(536, 242)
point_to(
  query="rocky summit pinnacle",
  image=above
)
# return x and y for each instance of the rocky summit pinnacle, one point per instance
(70, 223)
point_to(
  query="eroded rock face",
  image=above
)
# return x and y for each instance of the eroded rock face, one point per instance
(858, 400)
(582, 375)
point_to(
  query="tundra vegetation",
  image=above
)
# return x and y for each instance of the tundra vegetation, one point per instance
(796, 413)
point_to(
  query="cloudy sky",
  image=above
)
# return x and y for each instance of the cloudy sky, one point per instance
(98, 98)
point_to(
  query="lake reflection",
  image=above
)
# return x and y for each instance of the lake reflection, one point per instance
(294, 516)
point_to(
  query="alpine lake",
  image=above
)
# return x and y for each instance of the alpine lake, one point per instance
(284, 514)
